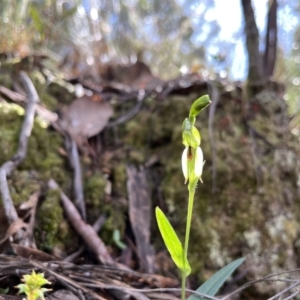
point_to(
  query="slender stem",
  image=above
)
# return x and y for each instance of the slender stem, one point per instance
(188, 222)
(183, 283)
(187, 237)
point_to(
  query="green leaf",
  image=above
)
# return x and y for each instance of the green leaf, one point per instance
(198, 105)
(213, 284)
(172, 242)
(117, 239)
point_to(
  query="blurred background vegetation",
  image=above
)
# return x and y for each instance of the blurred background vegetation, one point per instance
(172, 36)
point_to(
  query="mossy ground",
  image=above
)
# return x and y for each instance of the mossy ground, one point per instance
(255, 200)
(253, 212)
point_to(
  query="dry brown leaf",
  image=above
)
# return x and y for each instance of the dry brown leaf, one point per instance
(87, 116)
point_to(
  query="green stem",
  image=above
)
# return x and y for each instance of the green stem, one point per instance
(187, 237)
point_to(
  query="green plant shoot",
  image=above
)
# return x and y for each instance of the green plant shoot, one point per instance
(192, 166)
(32, 286)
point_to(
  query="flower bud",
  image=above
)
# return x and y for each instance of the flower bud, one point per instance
(199, 105)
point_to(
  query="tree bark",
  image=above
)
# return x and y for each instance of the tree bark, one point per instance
(271, 41)
(252, 44)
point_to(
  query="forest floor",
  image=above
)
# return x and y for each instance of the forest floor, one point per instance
(85, 160)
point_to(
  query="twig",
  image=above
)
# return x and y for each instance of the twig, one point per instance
(80, 295)
(246, 285)
(73, 256)
(214, 93)
(285, 290)
(97, 226)
(84, 230)
(99, 222)
(14, 96)
(130, 114)
(72, 149)
(77, 182)
(292, 296)
(31, 204)
(40, 110)
(14, 228)
(9, 166)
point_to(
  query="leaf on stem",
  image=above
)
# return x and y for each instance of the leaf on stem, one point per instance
(172, 242)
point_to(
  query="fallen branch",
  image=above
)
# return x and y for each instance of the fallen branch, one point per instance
(86, 231)
(7, 168)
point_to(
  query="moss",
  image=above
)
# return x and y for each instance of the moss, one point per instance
(9, 135)
(4, 79)
(99, 203)
(119, 180)
(23, 184)
(50, 98)
(52, 232)
(43, 161)
(246, 182)
(49, 101)
(43, 145)
(94, 187)
(43, 155)
(38, 79)
(61, 90)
